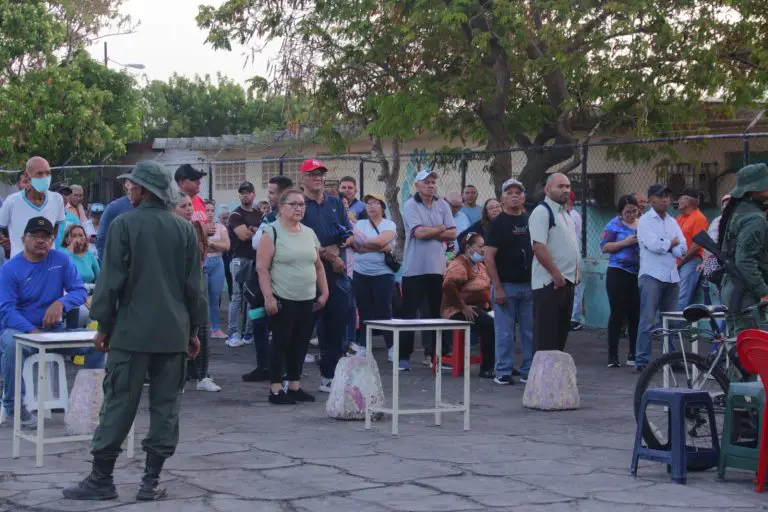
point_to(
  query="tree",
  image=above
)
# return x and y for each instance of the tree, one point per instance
(197, 107)
(70, 111)
(532, 72)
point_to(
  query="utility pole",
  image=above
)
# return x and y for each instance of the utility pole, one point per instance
(106, 59)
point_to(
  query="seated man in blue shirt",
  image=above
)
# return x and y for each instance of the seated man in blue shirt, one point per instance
(37, 288)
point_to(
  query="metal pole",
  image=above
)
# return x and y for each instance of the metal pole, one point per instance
(746, 138)
(746, 151)
(106, 59)
(281, 166)
(362, 177)
(210, 181)
(463, 163)
(584, 198)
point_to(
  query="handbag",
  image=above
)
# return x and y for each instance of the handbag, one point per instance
(251, 289)
(389, 258)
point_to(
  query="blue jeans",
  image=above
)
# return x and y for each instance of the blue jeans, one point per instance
(578, 293)
(237, 323)
(261, 342)
(350, 332)
(374, 300)
(689, 282)
(214, 272)
(516, 310)
(93, 360)
(331, 322)
(655, 296)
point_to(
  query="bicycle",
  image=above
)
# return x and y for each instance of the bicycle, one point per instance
(712, 373)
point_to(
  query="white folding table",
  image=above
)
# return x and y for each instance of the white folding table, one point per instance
(43, 342)
(396, 326)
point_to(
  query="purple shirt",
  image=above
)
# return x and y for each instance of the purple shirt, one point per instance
(626, 258)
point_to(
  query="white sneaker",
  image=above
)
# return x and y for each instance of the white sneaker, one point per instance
(207, 384)
(325, 385)
(390, 354)
(309, 358)
(247, 339)
(314, 342)
(235, 341)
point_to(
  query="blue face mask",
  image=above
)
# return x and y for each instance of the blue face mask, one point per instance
(477, 257)
(41, 184)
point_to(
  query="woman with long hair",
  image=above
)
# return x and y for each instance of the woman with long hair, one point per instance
(491, 209)
(218, 244)
(75, 243)
(619, 241)
(198, 368)
(292, 280)
(743, 238)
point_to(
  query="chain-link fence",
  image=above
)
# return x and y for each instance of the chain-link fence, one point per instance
(600, 172)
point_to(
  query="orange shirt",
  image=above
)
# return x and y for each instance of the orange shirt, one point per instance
(691, 225)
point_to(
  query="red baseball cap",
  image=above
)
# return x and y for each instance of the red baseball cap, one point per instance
(312, 165)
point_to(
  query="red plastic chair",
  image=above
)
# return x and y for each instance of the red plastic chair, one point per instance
(456, 359)
(752, 350)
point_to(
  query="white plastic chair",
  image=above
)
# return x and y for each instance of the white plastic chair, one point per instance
(58, 373)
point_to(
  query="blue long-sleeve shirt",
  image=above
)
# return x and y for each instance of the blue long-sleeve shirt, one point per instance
(28, 289)
(111, 212)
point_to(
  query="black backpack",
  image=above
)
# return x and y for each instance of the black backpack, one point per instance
(551, 214)
(251, 289)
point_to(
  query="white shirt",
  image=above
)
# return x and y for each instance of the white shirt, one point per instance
(576, 217)
(654, 235)
(560, 241)
(17, 211)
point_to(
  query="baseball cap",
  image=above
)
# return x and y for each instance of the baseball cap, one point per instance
(187, 172)
(246, 186)
(61, 188)
(312, 165)
(38, 224)
(512, 182)
(96, 208)
(690, 192)
(658, 190)
(378, 197)
(425, 173)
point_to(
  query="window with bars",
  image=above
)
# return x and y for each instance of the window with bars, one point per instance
(229, 176)
(272, 168)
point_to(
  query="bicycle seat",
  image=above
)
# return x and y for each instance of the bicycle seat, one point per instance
(696, 312)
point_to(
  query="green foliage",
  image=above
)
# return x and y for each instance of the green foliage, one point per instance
(197, 107)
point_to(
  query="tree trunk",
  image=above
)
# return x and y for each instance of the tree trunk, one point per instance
(389, 174)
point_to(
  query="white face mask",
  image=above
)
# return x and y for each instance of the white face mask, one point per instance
(477, 257)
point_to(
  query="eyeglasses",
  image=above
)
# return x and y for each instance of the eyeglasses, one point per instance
(296, 206)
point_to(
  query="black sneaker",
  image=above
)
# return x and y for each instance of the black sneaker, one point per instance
(613, 362)
(486, 374)
(631, 360)
(524, 379)
(639, 368)
(256, 375)
(575, 326)
(504, 380)
(515, 372)
(281, 398)
(300, 395)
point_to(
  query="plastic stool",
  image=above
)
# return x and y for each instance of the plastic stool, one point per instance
(750, 397)
(677, 458)
(50, 401)
(456, 359)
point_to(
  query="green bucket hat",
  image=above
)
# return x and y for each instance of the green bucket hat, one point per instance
(155, 178)
(750, 178)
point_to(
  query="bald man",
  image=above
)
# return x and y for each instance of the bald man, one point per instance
(34, 201)
(555, 265)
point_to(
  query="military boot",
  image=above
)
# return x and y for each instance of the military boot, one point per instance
(99, 485)
(150, 482)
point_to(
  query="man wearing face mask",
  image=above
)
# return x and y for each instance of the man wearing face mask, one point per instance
(34, 201)
(743, 238)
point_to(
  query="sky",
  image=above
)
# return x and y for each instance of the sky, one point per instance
(168, 40)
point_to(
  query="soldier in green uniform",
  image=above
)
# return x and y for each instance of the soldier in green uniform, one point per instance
(149, 304)
(744, 239)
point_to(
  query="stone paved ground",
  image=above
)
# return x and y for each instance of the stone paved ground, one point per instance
(238, 453)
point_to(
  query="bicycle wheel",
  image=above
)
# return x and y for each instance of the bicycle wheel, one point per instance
(655, 430)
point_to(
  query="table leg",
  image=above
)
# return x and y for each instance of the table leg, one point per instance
(395, 381)
(467, 371)
(17, 402)
(665, 348)
(42, 386)
(369, 357)
(439, 381)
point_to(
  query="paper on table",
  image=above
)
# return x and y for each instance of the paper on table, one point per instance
(60, 336)
(418, 321)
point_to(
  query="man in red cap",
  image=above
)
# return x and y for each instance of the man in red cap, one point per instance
(326, 216)
(578, 292)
